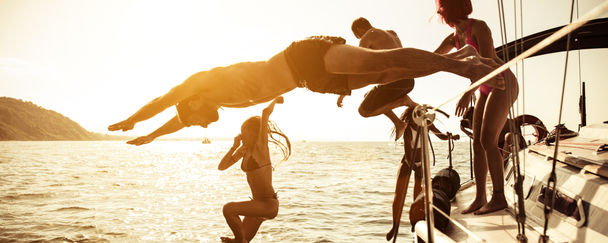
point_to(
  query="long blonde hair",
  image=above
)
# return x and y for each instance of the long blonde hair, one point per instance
(285, 147)
(273, 130)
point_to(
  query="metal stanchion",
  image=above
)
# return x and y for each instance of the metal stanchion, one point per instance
(423, 118)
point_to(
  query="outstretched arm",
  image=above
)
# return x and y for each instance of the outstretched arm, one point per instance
(171, 126)
(263, 138)
(233, 155)
(175, 95)
(269, 109)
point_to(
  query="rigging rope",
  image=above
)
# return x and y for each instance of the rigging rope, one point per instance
(450, 148)
(432, 149)
(515, 44)
(551, 181)
(503, 29)
(523, 83)
(520, 209)
(579, 56)
(581, 84)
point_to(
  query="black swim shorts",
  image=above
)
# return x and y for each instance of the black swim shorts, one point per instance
(305, 59)
(386, 93)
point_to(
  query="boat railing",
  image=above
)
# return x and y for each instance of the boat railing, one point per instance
(423, 116)
(421, 229)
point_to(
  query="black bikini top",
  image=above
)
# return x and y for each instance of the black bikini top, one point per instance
(250, 164)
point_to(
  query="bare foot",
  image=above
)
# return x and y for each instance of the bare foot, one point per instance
(228, 240)
(476, 204)
(483, 66)
(465, 51)
(477, 69)
(400, 125)
(494, 83)
(497, 202)
(399, 129)
(390, 234)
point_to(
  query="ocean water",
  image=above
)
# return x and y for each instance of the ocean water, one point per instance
(171, 191)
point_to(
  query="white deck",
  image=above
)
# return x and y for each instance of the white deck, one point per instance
(498, 226)
(581, 175)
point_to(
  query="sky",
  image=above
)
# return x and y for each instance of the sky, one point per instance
(98, 61)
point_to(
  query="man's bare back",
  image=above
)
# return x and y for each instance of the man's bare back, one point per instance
(384, 97)
(379, 39)
(244, 84)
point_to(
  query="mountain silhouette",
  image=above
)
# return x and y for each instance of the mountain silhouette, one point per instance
(24, 120)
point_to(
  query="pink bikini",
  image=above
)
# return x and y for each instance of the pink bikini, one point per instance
(484, 89)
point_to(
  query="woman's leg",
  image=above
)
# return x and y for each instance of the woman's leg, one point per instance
(417, 181)
(495, 115)
(254, 208)
(480, 166)
(251, 226)
(403, 178)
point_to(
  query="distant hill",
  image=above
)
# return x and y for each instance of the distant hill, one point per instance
(21, 120)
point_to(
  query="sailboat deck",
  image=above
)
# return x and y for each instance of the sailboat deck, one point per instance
(582, 152)
(498, 226)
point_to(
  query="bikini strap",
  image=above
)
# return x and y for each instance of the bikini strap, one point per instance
(469, 39)
(456, 42)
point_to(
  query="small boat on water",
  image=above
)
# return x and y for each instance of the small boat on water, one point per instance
(560, 196)
(206, 140)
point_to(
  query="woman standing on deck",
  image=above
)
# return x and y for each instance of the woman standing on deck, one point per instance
(252, 146)
(492, 107)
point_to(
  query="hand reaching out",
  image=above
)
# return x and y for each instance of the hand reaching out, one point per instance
(266, 112)
(463, 104)
(125, 125)
(237, 141)
(141, 140)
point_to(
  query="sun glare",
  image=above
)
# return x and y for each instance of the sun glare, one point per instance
(97, 62)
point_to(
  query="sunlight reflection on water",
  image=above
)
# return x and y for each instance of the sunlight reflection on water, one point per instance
(172, 191)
